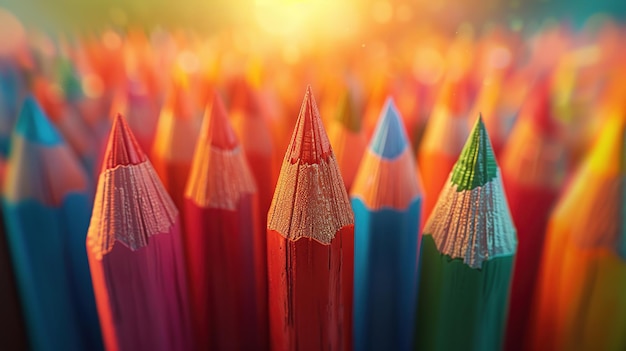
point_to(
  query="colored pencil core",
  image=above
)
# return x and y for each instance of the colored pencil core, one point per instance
(477, 164)
(34, 126)
(122, 148)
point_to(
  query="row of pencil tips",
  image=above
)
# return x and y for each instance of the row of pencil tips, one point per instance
(450, 192)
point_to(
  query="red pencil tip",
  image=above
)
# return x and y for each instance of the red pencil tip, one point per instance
(245, 99)
(539, 108)
(122, 147)
(309, 143)
(218, 130)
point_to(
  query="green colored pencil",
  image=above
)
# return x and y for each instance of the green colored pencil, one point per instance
(468, 249)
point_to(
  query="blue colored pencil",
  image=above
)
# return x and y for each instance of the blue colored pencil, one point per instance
(47, 211)
(387, 203)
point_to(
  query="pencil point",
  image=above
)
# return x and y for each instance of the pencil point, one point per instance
(347, 114)
(389, 140)
(122, 148)
(35, 126)
(244, 99)
(476, 165)
(539, 109)
(309, 143)
(217, 128)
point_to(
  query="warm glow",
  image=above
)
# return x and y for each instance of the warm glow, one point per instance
(303, 19)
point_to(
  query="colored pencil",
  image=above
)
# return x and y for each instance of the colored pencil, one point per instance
(387, 201)
(347, 139)
(135, 253)
(533, 168)
(442, 142)
(310, 244)
(581, 295)
(255, 136)
(222, 240)
(44, 181)
(71, 126)
(175, 140)
(468, 248)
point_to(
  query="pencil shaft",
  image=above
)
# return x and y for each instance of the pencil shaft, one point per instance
(385, 279)
(221, 248)
(461, 308)
(581, 300)
(49, 257)
(141, 295)
(307, 288)
(530, 208)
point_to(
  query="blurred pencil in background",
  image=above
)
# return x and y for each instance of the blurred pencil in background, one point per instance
(581, 295)
(225, 252)
(387, 200)
(46, 208)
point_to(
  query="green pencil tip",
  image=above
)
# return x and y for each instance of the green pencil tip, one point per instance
(347, 114)
(476, 165)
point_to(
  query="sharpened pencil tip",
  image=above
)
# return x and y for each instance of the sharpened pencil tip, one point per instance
(309, 142)
(476, 165)
(122, 147)
(35, 126)
(217, 128)
(389, 139)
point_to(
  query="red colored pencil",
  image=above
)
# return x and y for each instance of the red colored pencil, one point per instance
(310, 244)
(175, 141)
(533, 169)
(135, 253)
(222, 240)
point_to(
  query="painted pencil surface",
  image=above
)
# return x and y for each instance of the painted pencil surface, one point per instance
(223, 241)
(310, 244)
(135, 253)
(347, 139)
(44, 181)
(387, 200)
(581, 295)
(467, 256)
(533, 169)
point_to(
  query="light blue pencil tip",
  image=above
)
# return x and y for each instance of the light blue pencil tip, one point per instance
(34, 126)
(389, 139)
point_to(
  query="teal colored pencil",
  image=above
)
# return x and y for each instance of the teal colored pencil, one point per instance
(46, 207)
(387, 203)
